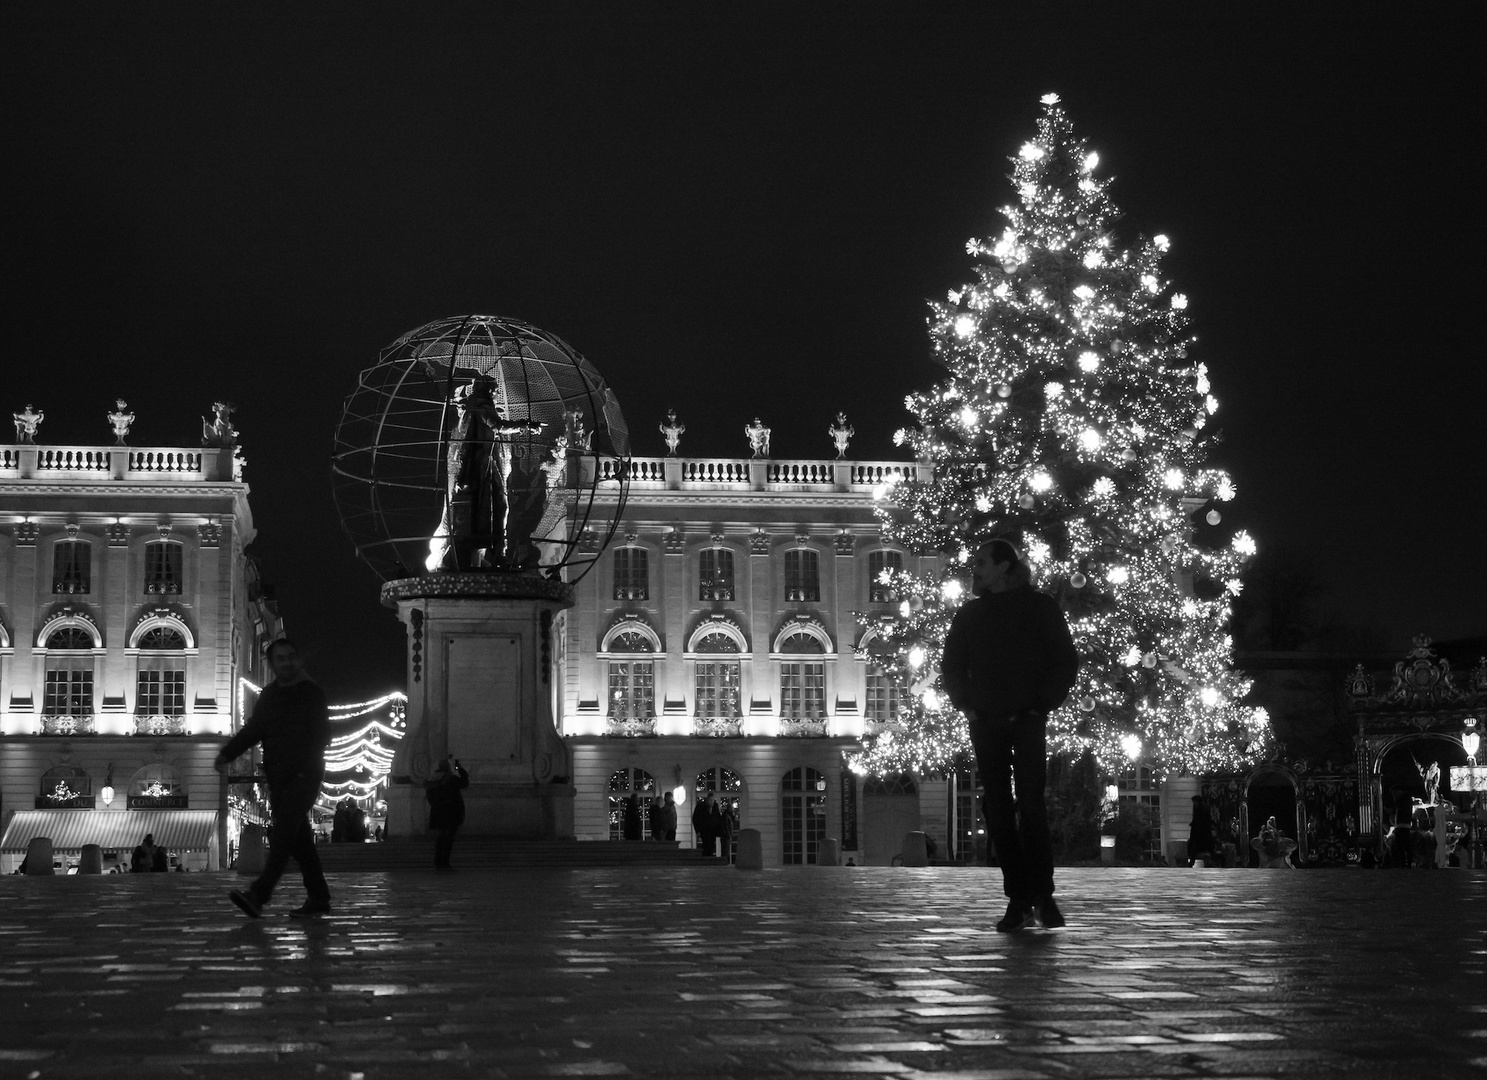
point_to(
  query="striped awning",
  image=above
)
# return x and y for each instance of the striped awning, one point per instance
(112, 830)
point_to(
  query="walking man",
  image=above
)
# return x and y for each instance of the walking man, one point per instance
(292, 723)
(446, 807)
(1009, 661)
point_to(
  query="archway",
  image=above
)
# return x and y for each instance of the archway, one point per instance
(1271, 793)
(890, 809)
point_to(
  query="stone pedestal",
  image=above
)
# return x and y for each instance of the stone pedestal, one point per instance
(480, 687)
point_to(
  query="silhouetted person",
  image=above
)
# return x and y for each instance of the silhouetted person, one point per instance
(1200, 834)
(446, 807)
(142, 859)
(293, 724)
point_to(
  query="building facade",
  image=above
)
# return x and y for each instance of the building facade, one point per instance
(717, 649)
(128, 612)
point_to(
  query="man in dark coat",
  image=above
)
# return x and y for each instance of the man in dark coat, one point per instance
(446, 807)
(293, 724)
(1200, 834)
(1009, 661)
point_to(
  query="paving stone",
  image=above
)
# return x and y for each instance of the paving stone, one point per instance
(676, 973)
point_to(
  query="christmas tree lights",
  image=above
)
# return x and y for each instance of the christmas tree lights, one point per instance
(1074, 422)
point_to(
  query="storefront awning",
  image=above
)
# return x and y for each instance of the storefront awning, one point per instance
(112, 830)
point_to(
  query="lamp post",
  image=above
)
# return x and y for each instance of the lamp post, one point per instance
(1471, 776)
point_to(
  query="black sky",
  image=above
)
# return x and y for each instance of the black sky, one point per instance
(739, 210)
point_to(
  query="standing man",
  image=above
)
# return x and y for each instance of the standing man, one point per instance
(1009, 661)
(293, 724)
(446, 806)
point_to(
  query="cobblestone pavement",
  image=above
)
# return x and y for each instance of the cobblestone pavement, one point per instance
(718, 973)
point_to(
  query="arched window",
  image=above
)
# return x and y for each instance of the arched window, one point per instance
(715, 574)
(72, 567)
(65, 787)
(69, 674)
(878, 563)
(897, 784)
(163, 561)
(631, 574)
(623, 785)
(803, 681)
(802, 816)
(156, 786)
(718, 685)
(727, 787)
(160, 687)
(802, 576)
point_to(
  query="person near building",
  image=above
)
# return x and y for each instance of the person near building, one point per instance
(715, 839)
(631, 827)
(1200, 835)
(446, 807)
(668, 818)
(1009, 661)
(142, 860)
(700, 826)
(292, 723)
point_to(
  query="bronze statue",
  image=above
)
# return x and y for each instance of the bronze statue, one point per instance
(475, 532)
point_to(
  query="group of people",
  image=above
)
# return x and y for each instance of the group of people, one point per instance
(148, 857)
(713, 823)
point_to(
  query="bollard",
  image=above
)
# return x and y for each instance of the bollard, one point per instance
(250, 851)
(750, 850)
(39, 857)
(916, 849)
(91, 860)
(829, 852)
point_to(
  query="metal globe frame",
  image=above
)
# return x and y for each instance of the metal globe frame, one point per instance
(390, 464)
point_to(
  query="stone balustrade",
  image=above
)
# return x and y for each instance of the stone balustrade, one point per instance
(754, 474)
(162, 463)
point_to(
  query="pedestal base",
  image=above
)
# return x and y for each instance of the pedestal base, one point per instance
(508, 811)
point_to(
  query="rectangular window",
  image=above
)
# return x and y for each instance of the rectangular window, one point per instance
(879, 592)
(68, 693)
(162, 568)
(715, 574)
(72, 566)
(802, 691)
(161, 693)
(882, 698)
(1139, 791)
(632, 690)
(631, 574)
(802, 576)
(718, 689)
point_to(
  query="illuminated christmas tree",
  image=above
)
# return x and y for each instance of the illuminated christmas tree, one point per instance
(1075, 422)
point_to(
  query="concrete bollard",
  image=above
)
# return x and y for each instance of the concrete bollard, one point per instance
(829, 852)
(250, 851)
(750, 850)
(916, 849)
(39, 857)
(91, 860)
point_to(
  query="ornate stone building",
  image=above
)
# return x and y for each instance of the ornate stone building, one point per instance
(717, 648)
(128, 611)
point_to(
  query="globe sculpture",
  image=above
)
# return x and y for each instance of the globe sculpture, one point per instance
(478, 444)
(480, 468)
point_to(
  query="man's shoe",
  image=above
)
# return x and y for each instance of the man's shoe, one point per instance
(1019, 916)
(310, 910)
(1049, 916)
(248, 902)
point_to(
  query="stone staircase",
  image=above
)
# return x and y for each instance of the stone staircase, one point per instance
(488, 852)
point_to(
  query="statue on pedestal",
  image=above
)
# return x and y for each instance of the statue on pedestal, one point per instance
(672, 431)
(474, 531)
(840, 432)
(26, 423)
(758, 438)
(218, 431)
(120, 420)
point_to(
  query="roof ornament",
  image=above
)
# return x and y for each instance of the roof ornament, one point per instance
(119, 420)
(26, 423)
(840, 432)
(672, 430)
(758, 438)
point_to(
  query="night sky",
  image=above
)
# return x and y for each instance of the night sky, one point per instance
(739, 210)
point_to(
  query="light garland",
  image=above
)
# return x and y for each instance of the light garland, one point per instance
(1074, 422)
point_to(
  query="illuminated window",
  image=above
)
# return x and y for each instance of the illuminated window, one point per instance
(802, 683)
(623, 784)
(715, 574)
(882, 698)
(69, 673)
(631, 574)
(1139, 791)
(632, 689)
(163, 567)
(72, 566)
(802, 576)
(160, 687)
(802, 816)
(877, 562)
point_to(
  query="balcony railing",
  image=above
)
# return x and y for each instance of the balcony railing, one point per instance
(116, 462)
(159, 725)
(631, 728)
(806, 727)
(763, 474)
(717, 727)
(67, 724)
